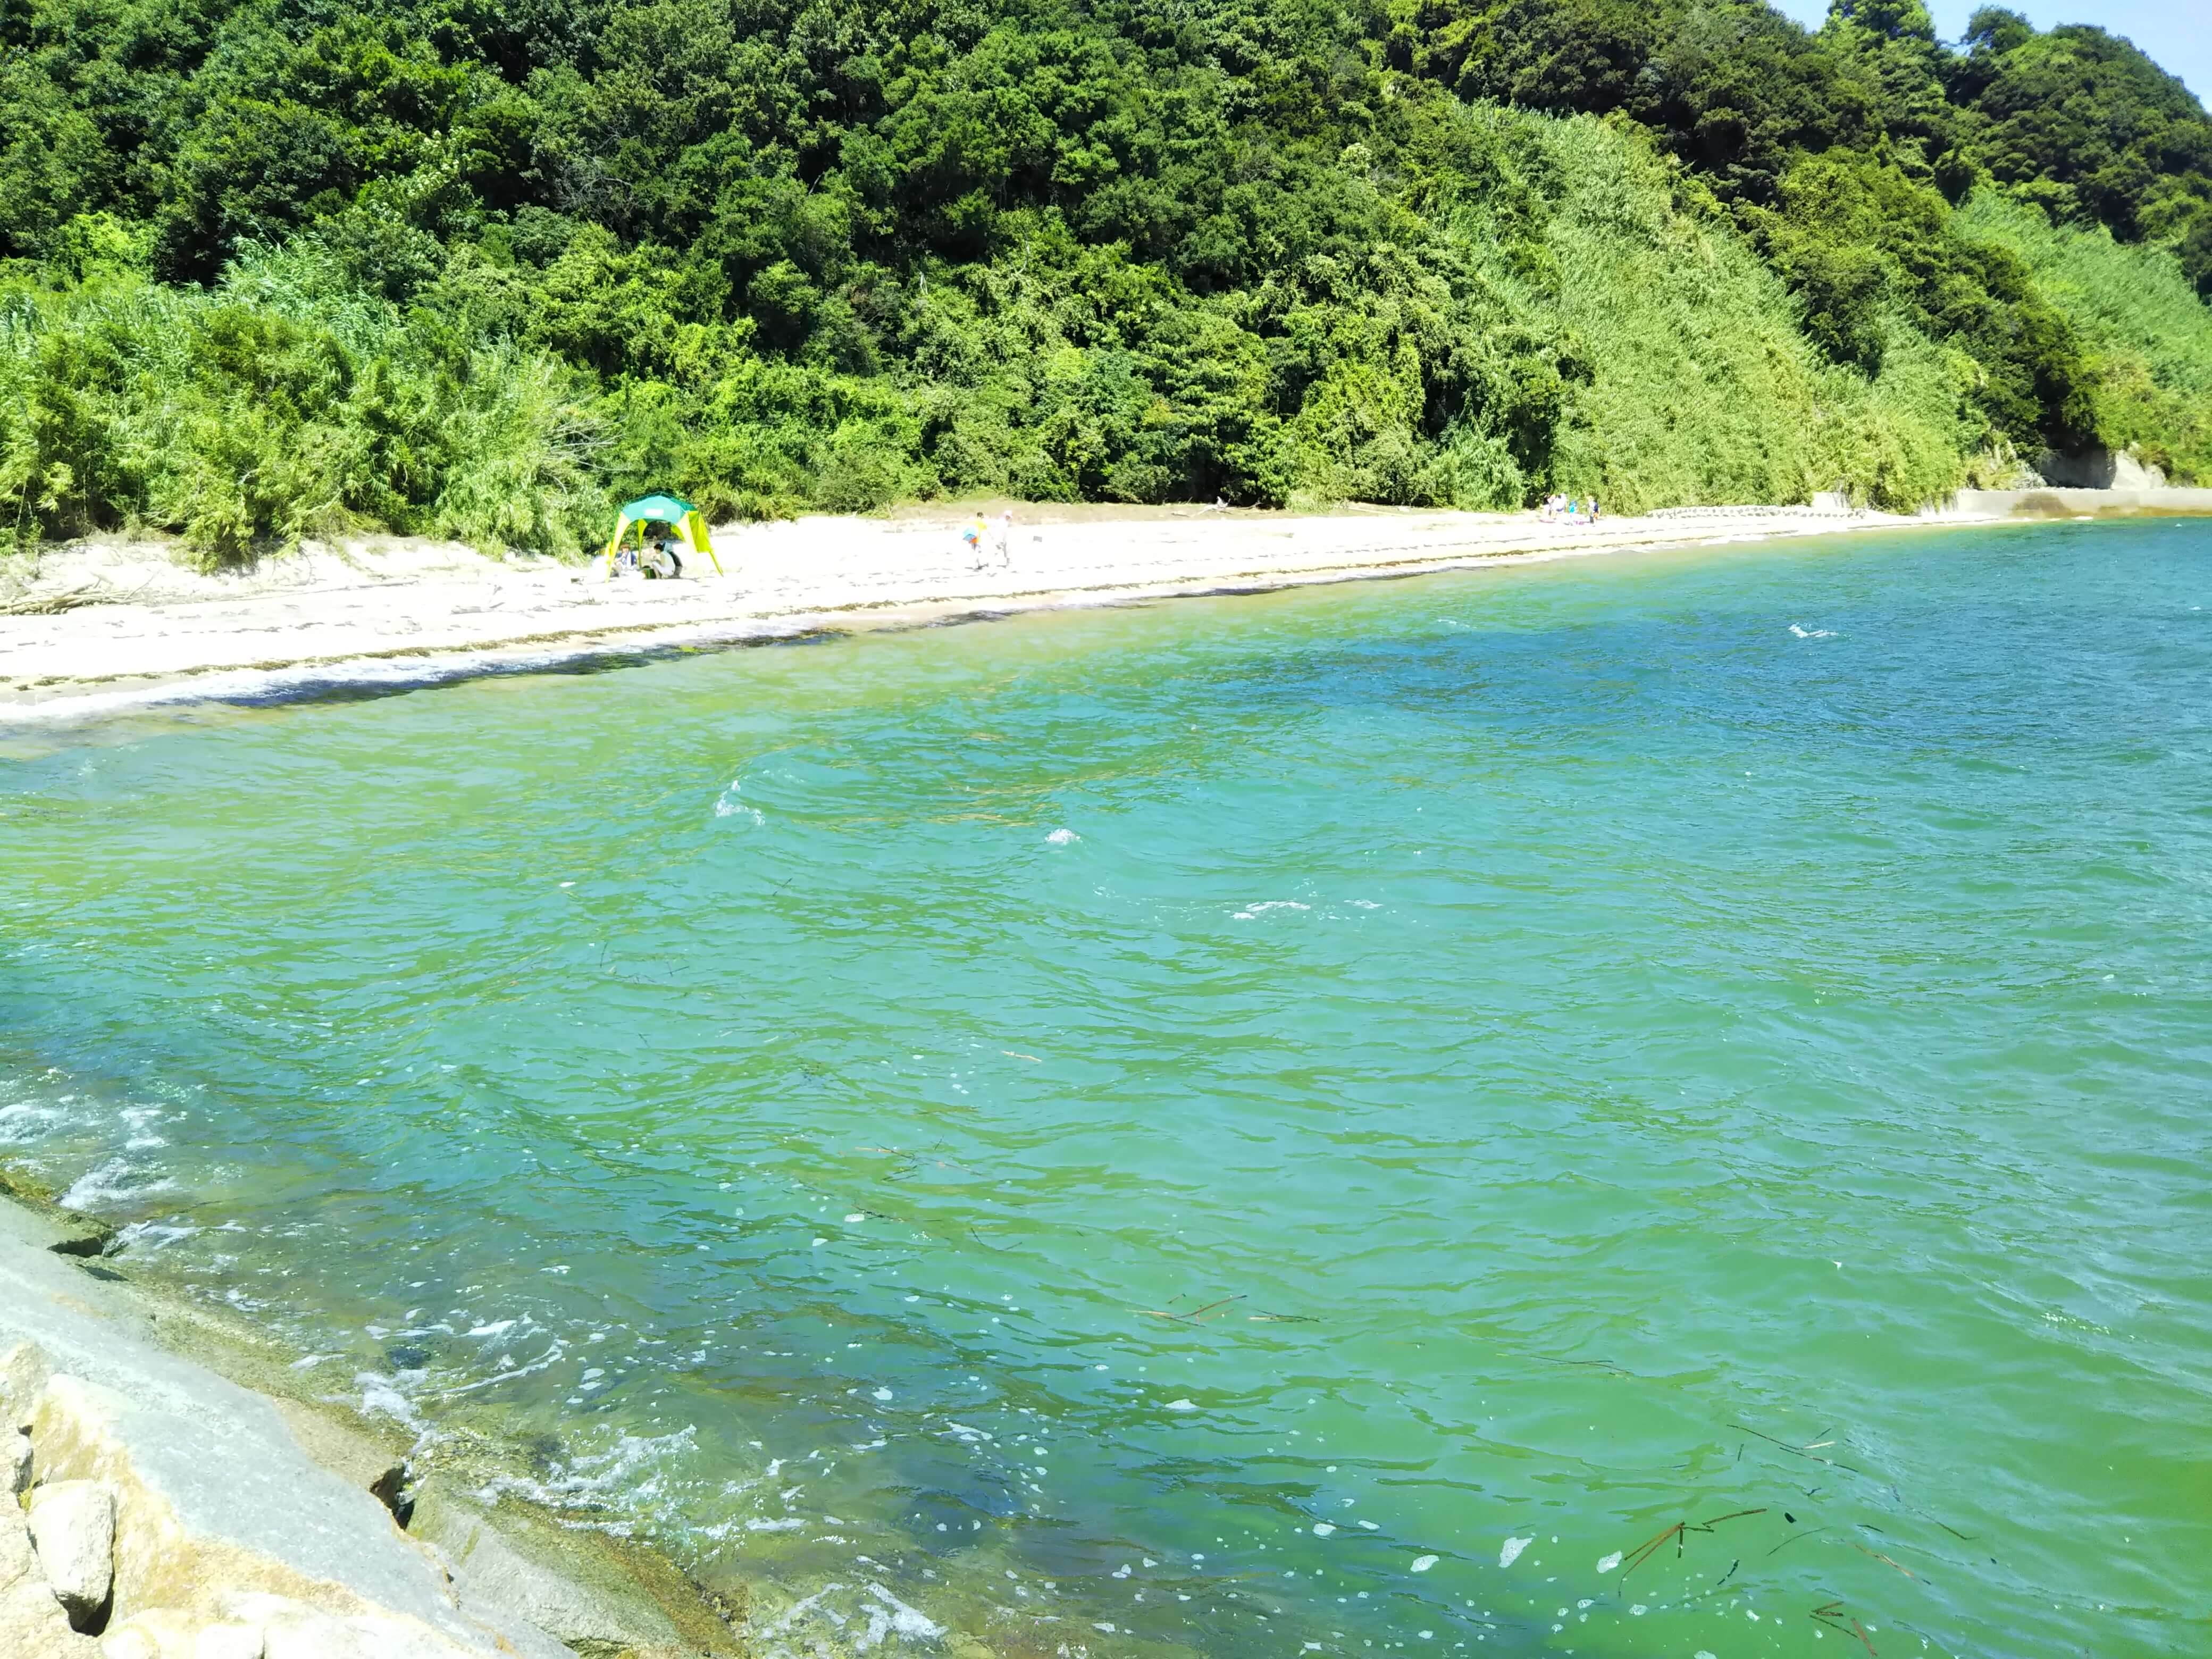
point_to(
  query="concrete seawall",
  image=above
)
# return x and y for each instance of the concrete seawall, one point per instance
(2048, 502)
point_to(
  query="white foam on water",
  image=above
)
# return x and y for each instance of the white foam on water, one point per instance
(630, 1475)
(1062, 838)
(1181, 1405)
(897, 1617)
(1323, 1529)
(498, 1327)
(508, 1372)
(380, 1397)
(112, 1183)
(1424, 1563)
(1610, 1562)
(1271, 904)
(1511, 1550)
(154, 1235)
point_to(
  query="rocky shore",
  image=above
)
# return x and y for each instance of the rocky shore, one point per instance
(159, 1510)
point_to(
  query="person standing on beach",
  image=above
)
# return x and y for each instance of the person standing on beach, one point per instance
(972, 538)
(1007, 539)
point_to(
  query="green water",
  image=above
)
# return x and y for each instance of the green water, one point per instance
(1194, 1127)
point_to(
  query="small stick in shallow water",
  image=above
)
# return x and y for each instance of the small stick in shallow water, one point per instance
(1879, 1557)
(1680, 1532)
(1833, 1616)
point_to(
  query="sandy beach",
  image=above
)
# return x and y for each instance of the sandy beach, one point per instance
(103, 627)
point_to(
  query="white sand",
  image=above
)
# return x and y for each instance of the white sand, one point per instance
(104, 627)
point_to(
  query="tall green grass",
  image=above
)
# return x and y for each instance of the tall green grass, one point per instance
(1698, 384)
(2151, 336)
(284, 403)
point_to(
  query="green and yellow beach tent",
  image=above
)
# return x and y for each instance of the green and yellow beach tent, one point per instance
(678, 515)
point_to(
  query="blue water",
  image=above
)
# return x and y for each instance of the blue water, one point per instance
(1220, 1120)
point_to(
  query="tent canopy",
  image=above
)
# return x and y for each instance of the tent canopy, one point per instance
(673, 511)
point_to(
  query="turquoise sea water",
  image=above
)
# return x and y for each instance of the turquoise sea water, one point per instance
(1206, 1127)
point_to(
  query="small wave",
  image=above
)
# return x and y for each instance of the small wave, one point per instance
(1271, 904)
(1813, 633)
(729, 807)
(380, 1397)
(23, 1121)
(629, 1474)
(154, 1235)
(1062, 838)
(114, 1182)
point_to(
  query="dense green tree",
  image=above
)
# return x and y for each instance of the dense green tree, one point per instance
(273, 266)
(2083, 122)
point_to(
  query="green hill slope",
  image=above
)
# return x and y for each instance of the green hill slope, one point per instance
(272, 268)
(2149, 337)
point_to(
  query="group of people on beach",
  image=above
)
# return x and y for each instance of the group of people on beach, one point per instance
(986, 538)
(1570, 509)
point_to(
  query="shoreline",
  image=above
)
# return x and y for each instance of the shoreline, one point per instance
(107, 629)
(245, 1501)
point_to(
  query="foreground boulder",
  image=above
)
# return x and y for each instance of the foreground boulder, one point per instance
(73, 1528)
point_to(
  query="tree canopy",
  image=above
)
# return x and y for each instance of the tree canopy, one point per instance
(272, 265)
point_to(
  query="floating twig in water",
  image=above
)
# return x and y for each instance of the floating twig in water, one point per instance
(1798, 1451)
(1793, 1537)
(1879, 1556)
(1680, 1532)
(1836, 1619)
(1283, 1318)
(1194, 1314)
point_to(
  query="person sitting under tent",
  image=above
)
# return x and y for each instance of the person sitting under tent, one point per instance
(648, 532)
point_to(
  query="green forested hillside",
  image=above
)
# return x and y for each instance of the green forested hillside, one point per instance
(274, 267)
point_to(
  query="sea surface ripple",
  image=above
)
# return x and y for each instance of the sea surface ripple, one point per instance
(1650, 1107)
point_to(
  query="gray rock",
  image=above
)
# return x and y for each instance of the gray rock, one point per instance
(73, 1528)
(23, 1373)
(496, 1582)
(229, 1642)
(32, 1623)
(82, 1235)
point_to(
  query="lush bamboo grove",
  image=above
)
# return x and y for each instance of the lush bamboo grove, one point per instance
(275, 267)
